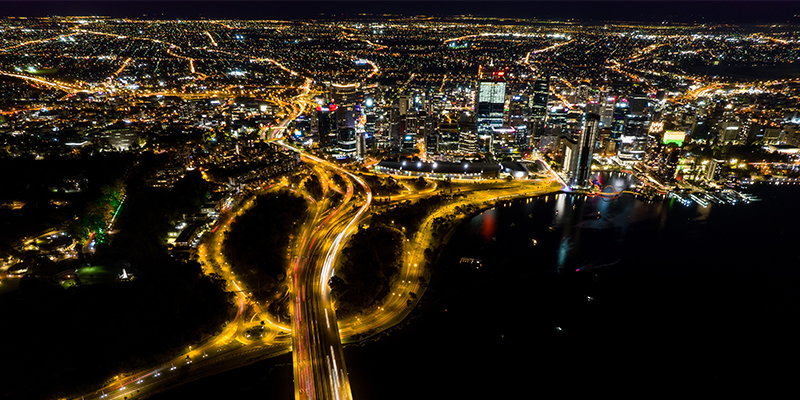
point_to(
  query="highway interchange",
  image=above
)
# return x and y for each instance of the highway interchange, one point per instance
(314, 335)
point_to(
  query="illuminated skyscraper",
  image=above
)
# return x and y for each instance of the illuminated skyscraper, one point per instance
(586, 140)
(448, 134)
(607, 112)
(489, 104)
(639, 102)
(344, 119)
(633, 141)
(578, 152)
(468, 142)
(404, 102)
(347, 142)
(327, 126)
(618, 119)
(538, 107)
(348, 102)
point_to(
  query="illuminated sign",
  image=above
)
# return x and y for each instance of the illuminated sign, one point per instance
(656, 127)
(676, 137)
(504, 129)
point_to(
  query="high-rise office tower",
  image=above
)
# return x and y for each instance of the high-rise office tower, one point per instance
(541, 91)
(404, 104)
(538, 110)
(586, 140)
(369, 122)
(327, 126)
(594, 107)
(448, 137)
(729, 130)
(570, 163)
(347, 107)
(432, 144)
(347, 142)
(618, 119)
(572, 122)
(556, 124)
(633, 141)
(361, 145)
(468, 141)
(607, 112)
(639, 102)
(348, 102)
(583, 94)
(489, 104)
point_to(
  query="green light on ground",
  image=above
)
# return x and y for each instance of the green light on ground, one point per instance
(676, 141)
(96, 274)
(68, 283)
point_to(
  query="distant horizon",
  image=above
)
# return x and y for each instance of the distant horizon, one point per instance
(736, 12)
(792, 21)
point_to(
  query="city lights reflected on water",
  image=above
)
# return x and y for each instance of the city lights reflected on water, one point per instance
(489, 224)
(563, 250)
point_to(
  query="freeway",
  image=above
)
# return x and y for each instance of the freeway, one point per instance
(316, 341)
(395, 308)
(57, 84)
(319, 367)
(182, 370)
(318, 358)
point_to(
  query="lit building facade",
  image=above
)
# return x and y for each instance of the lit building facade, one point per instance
(538, 110)
(633, 140)
(583, 168)
(489, 105)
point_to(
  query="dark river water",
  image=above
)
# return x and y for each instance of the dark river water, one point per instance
(622, 294)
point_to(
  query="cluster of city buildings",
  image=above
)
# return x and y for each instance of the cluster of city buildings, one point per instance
(498, 120)
(429, 91)
(442, 98)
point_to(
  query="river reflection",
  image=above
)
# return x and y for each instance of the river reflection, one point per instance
(577, 291)
(654, 294)
(574, 230)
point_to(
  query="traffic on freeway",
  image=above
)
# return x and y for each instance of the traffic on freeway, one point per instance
(314, 335)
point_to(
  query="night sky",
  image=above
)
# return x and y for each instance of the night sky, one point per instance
(740, 12)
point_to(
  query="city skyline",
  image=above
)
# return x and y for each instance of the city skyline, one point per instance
(191, 198)
(676, 11)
